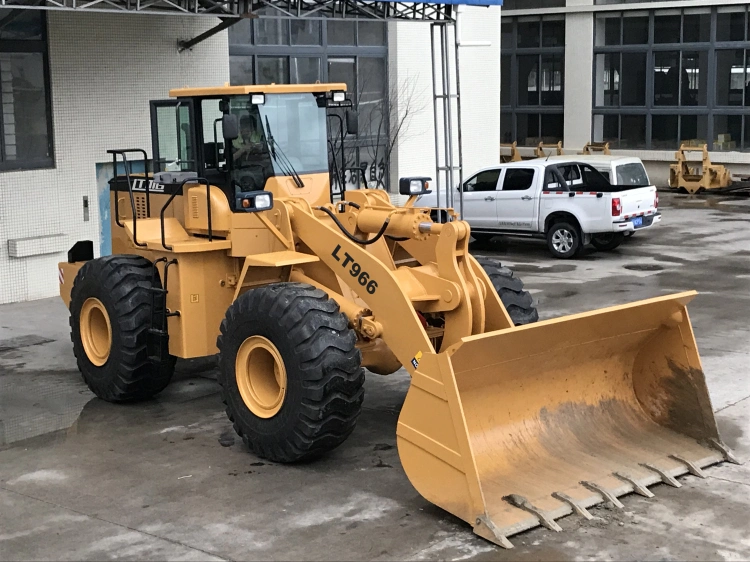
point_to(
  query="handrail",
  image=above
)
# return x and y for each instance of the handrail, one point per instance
(124, 152)
(199, 181)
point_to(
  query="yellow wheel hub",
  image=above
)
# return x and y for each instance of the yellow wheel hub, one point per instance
(96, 331)
(261, 376)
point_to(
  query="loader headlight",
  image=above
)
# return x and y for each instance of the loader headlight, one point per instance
(254, 201)
(414, 186)
(258, 99)
(339, 96)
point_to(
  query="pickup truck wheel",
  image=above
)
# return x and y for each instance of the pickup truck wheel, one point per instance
(482, 238)
(607, 241)
(563, 240)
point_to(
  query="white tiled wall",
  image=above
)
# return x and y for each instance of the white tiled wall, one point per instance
(104, 68)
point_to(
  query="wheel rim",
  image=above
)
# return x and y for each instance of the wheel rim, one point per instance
(96, 331)
(261, 376)
(562, 241)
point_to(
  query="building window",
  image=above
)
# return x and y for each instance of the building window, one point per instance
(287, 51)
(532, 80)
(26, 139)
(667, 77)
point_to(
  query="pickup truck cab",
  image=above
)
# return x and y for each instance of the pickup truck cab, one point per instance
(569, 203)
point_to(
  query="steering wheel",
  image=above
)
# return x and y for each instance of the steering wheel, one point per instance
(251, 177)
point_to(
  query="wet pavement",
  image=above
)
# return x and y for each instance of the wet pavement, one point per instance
(168, 479)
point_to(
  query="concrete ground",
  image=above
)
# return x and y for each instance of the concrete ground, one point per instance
(168, 479)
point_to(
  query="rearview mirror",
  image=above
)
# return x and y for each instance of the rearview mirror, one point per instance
(352, 122)
(230, 126)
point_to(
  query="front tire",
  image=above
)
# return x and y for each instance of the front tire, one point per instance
(517, 301)
(563, 240)
(290, 373)
(608, 241)
(110, 314)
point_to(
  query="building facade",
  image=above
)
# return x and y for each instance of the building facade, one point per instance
(644, 76)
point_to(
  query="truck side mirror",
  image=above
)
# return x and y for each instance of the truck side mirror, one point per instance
(352, 122)
(230, 126)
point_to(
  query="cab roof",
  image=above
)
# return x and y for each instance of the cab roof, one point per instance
(228, 90)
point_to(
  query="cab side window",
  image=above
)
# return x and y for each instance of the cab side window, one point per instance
(518, 179)
(483, 181)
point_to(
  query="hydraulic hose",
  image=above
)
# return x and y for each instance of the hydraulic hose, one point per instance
(349, 235)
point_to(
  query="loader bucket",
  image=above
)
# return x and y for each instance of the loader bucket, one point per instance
(516, 428)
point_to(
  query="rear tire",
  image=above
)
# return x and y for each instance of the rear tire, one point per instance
(564, 240)
(110, 313)
(517, 301)
(308, 404)
(608, 241)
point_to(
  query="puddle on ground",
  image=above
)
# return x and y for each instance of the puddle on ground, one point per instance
(643, 267)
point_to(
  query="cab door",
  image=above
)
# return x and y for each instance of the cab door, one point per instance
(173, 136)
(480, 196)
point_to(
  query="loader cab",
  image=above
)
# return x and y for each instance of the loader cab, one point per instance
(248, 138)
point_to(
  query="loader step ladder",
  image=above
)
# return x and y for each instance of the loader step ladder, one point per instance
(158, 331)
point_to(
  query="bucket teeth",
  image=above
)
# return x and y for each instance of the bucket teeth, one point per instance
(486, 529)
(577, 507)
(693, 468)
(606, 494)
(637, 488)
(522, 503)
(665, 476)
(726, 451)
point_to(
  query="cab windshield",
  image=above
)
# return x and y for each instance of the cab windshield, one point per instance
(286, 133)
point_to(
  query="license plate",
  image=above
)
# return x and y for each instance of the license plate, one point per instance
(638, 221)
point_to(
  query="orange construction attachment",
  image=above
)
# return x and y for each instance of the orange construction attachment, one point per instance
(516, 428)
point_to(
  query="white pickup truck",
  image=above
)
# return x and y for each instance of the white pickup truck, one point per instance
(570, 203)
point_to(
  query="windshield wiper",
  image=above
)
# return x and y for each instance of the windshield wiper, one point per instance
(281, 158)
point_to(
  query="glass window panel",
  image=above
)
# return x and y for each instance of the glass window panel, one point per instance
(667, 28)
(551, 79)
(727, 132)
(506, 128)
(730, 26)
(552, 127)
(607, 129)
(553, 33)
(730, 77)
(528, 33)
(241, 33)
(273, 70)
(25, 24)
(694, 130)
(528, 129)
(241, 70)
(633, 131)
(664, 131)
(341, 32)
(693, 87)
(607, 79)
(305, 32)
(634, 30)
(633, 79)
(506, 35)
(305, 70)
(271, 31)
(666, 77)
(528, 80)
(372, 98)
(696, 27)
(371, 33)
(505, 79)
(608, 29)
(24, 107)
(342, 70)
(746, 145)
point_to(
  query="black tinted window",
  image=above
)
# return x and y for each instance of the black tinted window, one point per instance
(570, 172)
(518, 179)
(483, 181)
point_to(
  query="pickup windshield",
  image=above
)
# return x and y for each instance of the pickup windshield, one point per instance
(633, 174)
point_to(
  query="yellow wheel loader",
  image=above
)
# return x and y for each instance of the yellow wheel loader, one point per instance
(231, 244)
